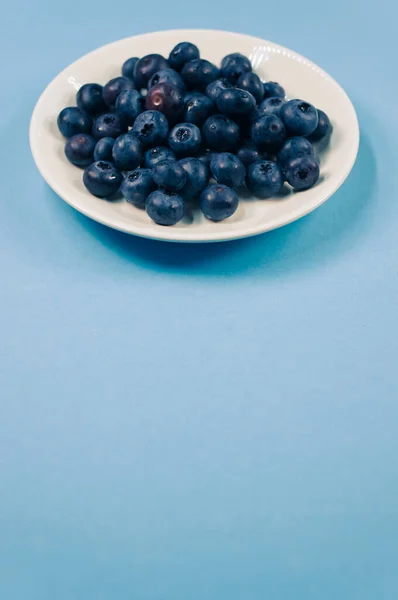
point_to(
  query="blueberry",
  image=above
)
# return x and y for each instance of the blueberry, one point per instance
(102, 179)
(268, 132)
(103, 149)
(221, 133)
(273, 90)
(226, 168)
(235, 102)
(165, 208)
(251, 83)
(198, 109)
(79, 149)
(137, 185)
(155, 155)
(72, 120)
(129, 104)
(127, 152)
(293, 148)
(151, 128)
(215, 88)
(182, 53)
(233, 57)
(170, 175)
(218, 202)
(146, 67)
(197, 175)
(185, 139)
(198, 73)
(299, 117)
(167, 76)
(128, 67)
(89, 98)
(264, 178)
(168, 99)
(323, 127)
(248, 154)
(302, 173)
(189, 95)
(114, 87)
(108, 125)
(234, 65)
(270, 106)
(205, 156)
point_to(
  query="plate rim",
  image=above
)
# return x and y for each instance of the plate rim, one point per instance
(177, 234)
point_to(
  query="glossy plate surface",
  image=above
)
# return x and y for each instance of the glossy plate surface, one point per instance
(301, 79)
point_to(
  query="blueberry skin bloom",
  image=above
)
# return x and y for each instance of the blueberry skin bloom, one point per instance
(235, 102)
(226, 168)
(108, 125)
(146, 67)
(270, 106)
(169, 175)
(151, 128)
(221, 133)
(218, 202)
(89, 99)
(114, 87)
(323, 128)
(251, 83)
(79, 149)
(293, 148)
(102, 179)
(167, 76)
(273, 90)
(182, 53)
(127, 152)
(129, 104)
(268, 132)
(155, 155)
(264, 178)
(165, 208)
(137, 185)
(72, 120)
(129, 66)
(198, 109)
(215, 88)
(185, 139)
(302, 173)
(248, 154)
(103, 149)
(299, 117)
(197, 175)
(233, 66)
(198, 73)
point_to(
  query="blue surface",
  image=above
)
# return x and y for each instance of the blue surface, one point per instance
(201, 422)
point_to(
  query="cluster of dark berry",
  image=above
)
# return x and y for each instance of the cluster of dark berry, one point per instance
(169, 131)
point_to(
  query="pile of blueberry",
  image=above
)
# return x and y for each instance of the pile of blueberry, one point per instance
(169, 131)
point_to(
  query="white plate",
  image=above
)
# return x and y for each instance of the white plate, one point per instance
(301, 79)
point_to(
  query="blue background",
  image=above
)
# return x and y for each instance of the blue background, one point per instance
(201, 422)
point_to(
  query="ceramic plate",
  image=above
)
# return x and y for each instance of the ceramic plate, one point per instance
(300, 77)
